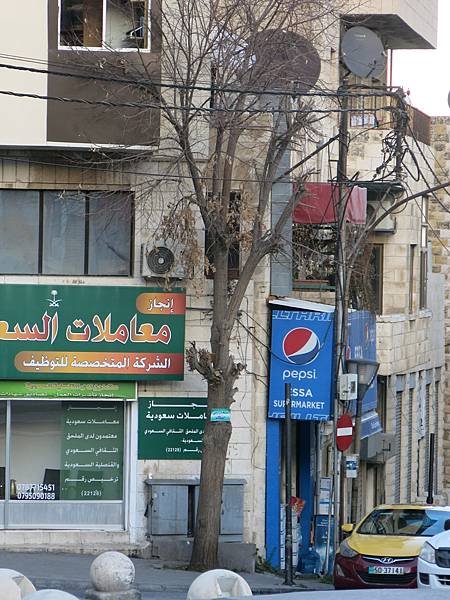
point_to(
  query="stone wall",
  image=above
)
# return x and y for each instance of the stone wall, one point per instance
(440, 218)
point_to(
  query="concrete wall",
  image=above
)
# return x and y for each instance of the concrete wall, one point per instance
(420, 17)
(23, 33)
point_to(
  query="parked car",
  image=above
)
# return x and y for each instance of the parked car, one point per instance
(383, 548)
(433, 566)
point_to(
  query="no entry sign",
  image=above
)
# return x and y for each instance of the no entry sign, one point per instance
(344, 432)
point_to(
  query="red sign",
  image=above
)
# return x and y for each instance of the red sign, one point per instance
(344, 432)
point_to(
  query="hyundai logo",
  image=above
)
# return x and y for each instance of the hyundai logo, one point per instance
(387, 560)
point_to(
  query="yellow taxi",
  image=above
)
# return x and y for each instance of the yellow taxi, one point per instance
(382, 549)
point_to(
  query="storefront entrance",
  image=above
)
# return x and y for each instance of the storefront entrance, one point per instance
(62, 463)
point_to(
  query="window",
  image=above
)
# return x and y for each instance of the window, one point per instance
(112, 24)
(366, 285)
(423, 266)
(234, 246)
(51, 471)
(412, 253)
(313, 249)
(65, 233)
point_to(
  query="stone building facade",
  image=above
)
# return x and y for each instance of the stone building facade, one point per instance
(439, 217)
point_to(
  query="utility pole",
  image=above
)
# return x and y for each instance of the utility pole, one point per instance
(340, 312)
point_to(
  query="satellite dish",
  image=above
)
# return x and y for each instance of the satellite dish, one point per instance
(283, 57)
(363, 53)
(448, 99)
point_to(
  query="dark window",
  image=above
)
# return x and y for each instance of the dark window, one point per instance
(104, 23)
(234, 245)
(366, 286)
(65, 233)
(19, 231)
(382, 400)
(411, 258)
(423, 279)
(313, 249)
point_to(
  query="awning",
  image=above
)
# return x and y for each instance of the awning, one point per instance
(318, 204)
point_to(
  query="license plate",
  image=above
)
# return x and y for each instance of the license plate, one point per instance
(386, 570)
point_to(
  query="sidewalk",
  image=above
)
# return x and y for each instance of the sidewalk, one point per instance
(71, 572)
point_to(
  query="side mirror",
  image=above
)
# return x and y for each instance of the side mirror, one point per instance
(347, 528)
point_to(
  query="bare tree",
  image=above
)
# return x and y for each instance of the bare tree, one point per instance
(232, 102)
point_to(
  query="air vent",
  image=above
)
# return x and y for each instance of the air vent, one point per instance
(162, 258)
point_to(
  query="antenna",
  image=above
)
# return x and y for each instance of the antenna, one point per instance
(283, 57)
(362, 52)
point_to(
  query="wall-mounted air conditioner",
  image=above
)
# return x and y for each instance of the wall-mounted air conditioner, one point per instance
(162, 259)
(375, 210)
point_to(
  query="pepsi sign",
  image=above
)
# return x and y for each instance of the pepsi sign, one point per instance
(301, 346)
(302, 355)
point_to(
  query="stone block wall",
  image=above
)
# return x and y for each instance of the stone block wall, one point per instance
(439, 215)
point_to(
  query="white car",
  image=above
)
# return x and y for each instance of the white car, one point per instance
(433, 566)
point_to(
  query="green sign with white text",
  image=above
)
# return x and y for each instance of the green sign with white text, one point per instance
(67, 332)
(92, 451)
(171, 428)
(67, 389)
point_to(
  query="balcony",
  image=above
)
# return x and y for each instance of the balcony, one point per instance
(401, 24)
(378, 112)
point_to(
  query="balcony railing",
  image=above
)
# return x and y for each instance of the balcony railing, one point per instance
(378, 112)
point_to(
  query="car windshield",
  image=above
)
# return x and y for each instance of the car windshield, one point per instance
(405, 521)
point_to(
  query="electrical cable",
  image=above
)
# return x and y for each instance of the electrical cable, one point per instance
(383, 91)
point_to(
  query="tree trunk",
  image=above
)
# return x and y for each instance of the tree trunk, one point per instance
(206, 540)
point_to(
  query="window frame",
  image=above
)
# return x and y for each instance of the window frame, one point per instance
(40, 236)
(411, 275)
(103, 47)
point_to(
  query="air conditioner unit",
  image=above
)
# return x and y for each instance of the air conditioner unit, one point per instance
(375, 210)
(162, 259)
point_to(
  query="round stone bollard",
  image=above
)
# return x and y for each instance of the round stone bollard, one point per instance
(50, 595)
(23, 583)
(112, 578)
(9, 588)
(218, 583)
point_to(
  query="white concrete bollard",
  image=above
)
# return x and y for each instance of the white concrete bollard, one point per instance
(9, 590)
(50, 595)
(24, 584)
(218, 583)
(112, 577)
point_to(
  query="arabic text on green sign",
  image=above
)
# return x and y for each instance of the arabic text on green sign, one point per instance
(67, 389)
(86, 332)
(92, 451)
(171, 428)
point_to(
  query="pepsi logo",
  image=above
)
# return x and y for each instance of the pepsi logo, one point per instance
(301, 346)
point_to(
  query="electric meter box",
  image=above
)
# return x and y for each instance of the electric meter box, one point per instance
(348, 386)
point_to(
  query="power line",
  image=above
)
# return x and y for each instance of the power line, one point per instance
(208, 87)
(188, 108)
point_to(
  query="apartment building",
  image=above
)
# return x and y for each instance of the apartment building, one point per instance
(92, 344)
(396, 276)
(100, 440)
(439, 220)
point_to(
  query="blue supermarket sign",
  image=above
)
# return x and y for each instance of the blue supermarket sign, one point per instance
(302, 355)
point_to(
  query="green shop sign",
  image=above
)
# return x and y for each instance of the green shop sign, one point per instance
(171, 428)
(67, 389)
(92, 451)
(84, 332)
